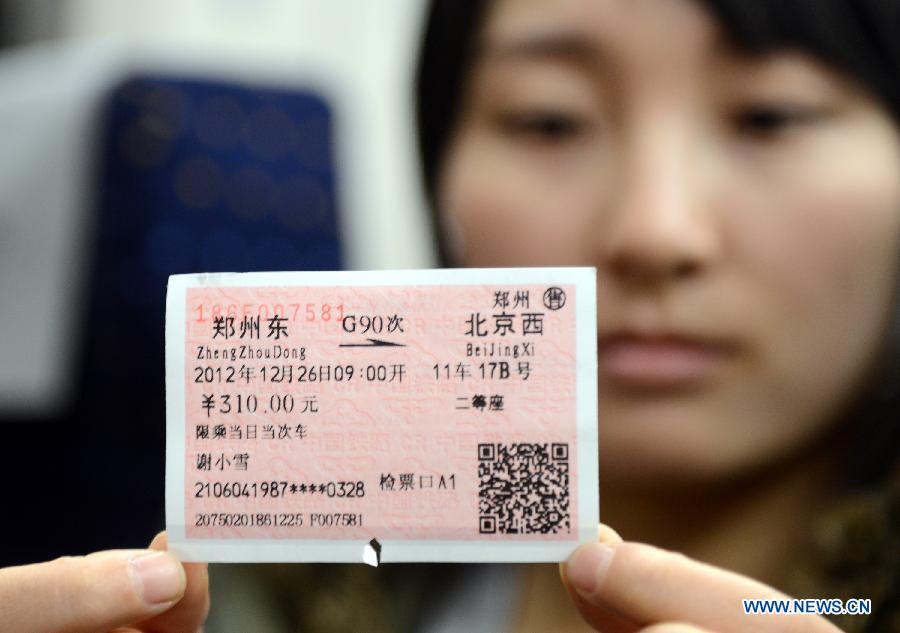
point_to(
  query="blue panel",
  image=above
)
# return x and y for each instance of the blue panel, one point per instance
(190, 176)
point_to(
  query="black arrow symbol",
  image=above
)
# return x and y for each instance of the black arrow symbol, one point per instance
(373, 342)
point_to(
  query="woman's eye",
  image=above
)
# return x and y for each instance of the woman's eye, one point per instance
(771, 120)
(544, 126)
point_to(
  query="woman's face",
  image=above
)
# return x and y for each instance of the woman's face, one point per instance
(743, 215)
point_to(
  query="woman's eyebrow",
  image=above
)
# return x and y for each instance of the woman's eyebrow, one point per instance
(565, 46)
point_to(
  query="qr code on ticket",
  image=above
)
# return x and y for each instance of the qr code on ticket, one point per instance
(523, 488)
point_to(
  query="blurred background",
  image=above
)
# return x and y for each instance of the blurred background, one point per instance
(152, 137)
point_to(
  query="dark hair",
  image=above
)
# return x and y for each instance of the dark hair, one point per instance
(446, 56)
(860, 39)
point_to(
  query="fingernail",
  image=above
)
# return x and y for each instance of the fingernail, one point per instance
(587, 566)
(157, 577)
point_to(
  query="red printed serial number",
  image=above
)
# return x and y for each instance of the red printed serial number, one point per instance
(294, 311)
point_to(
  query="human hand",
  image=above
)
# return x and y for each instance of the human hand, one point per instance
(622, 587)
(129, 591)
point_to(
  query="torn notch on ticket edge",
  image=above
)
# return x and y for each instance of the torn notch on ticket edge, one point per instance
(372, 553)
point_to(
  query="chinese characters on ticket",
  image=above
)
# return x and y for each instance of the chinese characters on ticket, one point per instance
(431, 415)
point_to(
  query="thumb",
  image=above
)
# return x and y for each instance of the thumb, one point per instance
(605, 619)
(605, 534)
(89, 594)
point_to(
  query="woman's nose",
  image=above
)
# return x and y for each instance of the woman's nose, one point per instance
(660, 225)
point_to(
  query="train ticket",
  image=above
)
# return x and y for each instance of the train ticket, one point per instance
(426, 415)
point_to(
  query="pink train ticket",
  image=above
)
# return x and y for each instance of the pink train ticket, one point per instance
(428, 415)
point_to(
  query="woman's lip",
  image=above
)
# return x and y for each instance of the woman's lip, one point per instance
(660, 362)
